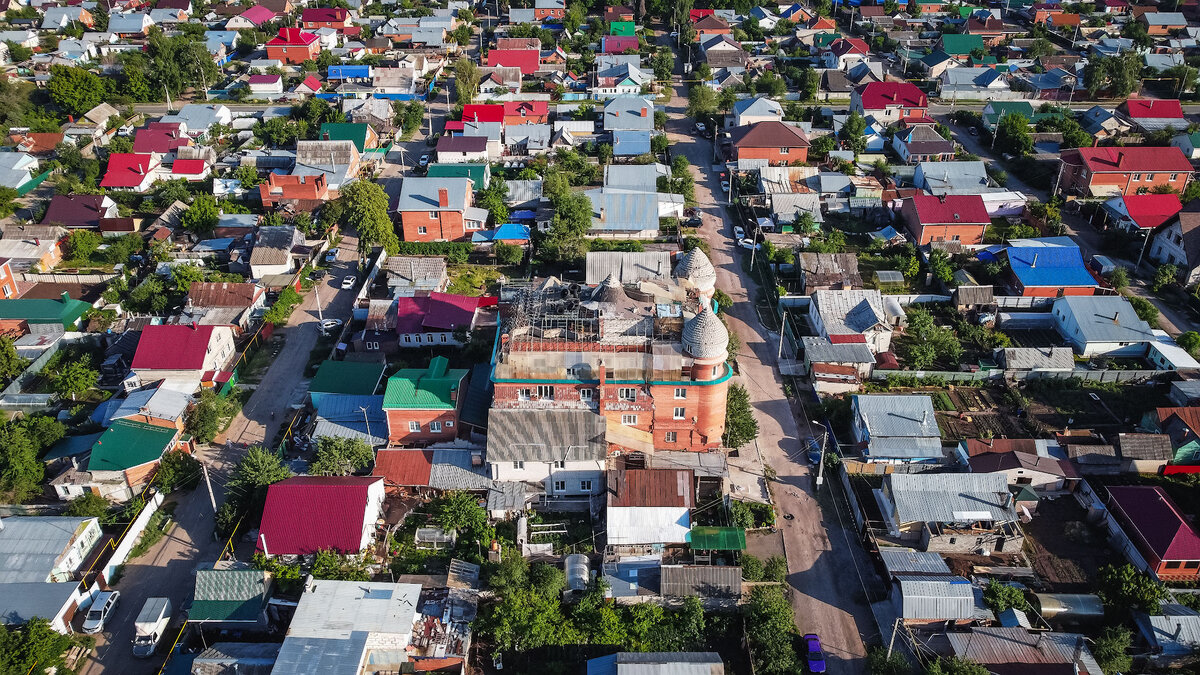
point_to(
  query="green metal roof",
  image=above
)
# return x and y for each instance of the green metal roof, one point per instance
(825, 39)
(346, 131)
(127, 444)
(705, 538)
(961, 45)
(622, 28)
(229, 595)
(62, 311)
(480, 174)
(432, 388)
(347, 377)
(71, 446)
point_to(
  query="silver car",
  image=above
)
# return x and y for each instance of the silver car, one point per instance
(97, 616)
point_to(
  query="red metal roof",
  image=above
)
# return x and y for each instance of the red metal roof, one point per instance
(843, 46)
(849, 338)
(404, 467)
(650, 487)
(188, 167)
(525, 59)
(312, 82)
(951, 210)
(447, 311)
(1153, 108)
(324, 14)
(483, 112)
(410, 313)
(258, 15)
(292, 36)
(160, 137)
(1149, 211)
(306, 514)
(695, 15)
(265, 79)
(617, 44)
(127, 170)
(880, 95)
(172, 347)
(527, 108)
(1157, 521)
(1130, 159)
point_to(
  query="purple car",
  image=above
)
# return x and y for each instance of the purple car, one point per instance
(815, 657)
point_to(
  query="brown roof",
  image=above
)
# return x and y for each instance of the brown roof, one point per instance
(220, 294)
(650, 487)
(1145, 446)
(989, 462)
(979, 446)
(711, 22)
(38, 143)
(769, 134)
(44, 290)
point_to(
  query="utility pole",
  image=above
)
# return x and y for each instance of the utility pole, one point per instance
(367, 421)
(317, 292)
(208, 482)
(821, 464)
(782, 330)
(892, 641)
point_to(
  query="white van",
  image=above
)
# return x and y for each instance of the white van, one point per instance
(150, 625)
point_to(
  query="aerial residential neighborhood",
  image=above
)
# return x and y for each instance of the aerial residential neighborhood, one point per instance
(553, 336)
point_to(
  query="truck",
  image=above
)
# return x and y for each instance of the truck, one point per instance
(150, 625)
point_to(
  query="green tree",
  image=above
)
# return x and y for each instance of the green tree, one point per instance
(879, 663)
(1112, 649)
(11, 364)
(663, 63)
(247, 487)
(366, 211)
(209, 416)
(76, 377)
(508, 254)
(17, 53)
(81, 244)
(341, 456)
(202, 216)
(1189, 341)
(1118, 75)
(955, 666)
(853, 133)
(184, 275)
(494, 198)
(702, 101)
(1125, 588)
(1164, 276)
(88, 505)
(248, 177)
(178, 470)
(1119, 278)
(1039, 47)
(168, 192)
(76, 90)
(20, 470)
(752, 568)
(33, 645)
(1012, 135)
(939, 265)
(775, 569)
(466, 80)
(1145, 309)
(740, 425)
(770, 630)
(1000, 596)
(461, 511)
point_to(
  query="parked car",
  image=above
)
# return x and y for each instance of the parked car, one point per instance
(725, 186)
(330, 325)
(814, 655)
(738, 232)
(813, 450)
(98, 615)
(693, 222)
(749, 244)
(331, 255)
(348, 282)
(424, 161)
(316, 275)
(701, 129)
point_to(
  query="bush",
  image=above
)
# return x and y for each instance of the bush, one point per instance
(90, 505)
(999, 597)
(508, 254)
(456, 253)
(740, 425)
(752, 568)
(776, 569)
(1145, 310)
(879, 663)
(1112, 650)
(282, 309)
(178, 470)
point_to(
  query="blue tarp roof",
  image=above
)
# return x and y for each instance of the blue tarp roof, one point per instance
(1049, 266)
(523, 214)
(512, 231)
(347, 72)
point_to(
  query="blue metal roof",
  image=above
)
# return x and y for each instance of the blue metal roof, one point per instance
(512, 231)
(348, 72)
(523, 214)
(1049, 266)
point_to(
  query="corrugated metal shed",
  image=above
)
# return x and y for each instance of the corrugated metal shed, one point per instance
(821, 350)
(701, 464)
(243, 658)
(936, 598)
(650, 487)
(1013, 645)
(950, 497)
(628, 267)
(700, 581)
(229, 595)
(908, 561)
(657, 663)
(897, 415)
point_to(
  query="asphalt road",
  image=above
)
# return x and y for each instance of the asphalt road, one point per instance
(826, 566)
(169, 568)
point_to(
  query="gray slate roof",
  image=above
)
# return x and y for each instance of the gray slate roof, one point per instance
(1038, 358)
(908, 561)
(951, 497)
(20, 602)
(821, 350)
(1095, 316)
(545, 436)
(625, 113)
(849, 310)
(628, 267)
(700, 581)
(452, 470)
(31, 545)
(421, 194)
(657, 663)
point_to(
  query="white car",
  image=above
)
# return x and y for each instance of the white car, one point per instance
(96, 617)
(348, 282)
(330, 325)
(738, 232)
(749, 244)
(701, 129)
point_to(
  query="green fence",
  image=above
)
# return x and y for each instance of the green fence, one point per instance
(33, 184)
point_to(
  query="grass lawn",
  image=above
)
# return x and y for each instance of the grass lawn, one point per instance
(473, 280)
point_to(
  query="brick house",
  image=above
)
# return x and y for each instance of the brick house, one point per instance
(1110, 171)
(526, 112)
(549, 9)
(711, 25)
(282, 189)
(438, 209)
(1159, 531)
(946, 218)
(776, 142)
(422, 404)
(337, 18)
(294, 46)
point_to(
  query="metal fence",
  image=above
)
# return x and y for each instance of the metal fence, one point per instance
(51, 278)
(1021, 375)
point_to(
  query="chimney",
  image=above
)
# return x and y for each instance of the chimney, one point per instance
(1034, 263)
(643, 112)
(1178, 630)
(443, 197)
(66, 297)
(601, 214)
(1117, 318)
(193, 325)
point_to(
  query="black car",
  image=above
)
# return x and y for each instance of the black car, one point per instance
(693, 222)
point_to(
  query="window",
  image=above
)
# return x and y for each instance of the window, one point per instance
(1174, 177)
(546, 391)
(518, 464)
(629, 420)
(7, 291)
(627, 394)
(680, 413)
(585, 395)
(680, 393)
(523, 394)
(1149, 178)
(408, 338)
(449, 424)
(372, 346)
(1173, 564)
(421, 229)
(443, 337)
(433, 215)
(670, 437)
(560, 486)
(784, 151)
(1137, 176)
(472, 225)
(560, 464)
(414, 427)
(585, 485)
(1191, 564)
(435, 427)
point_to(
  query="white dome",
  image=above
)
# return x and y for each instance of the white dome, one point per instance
(696, 268)
(704, 336)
